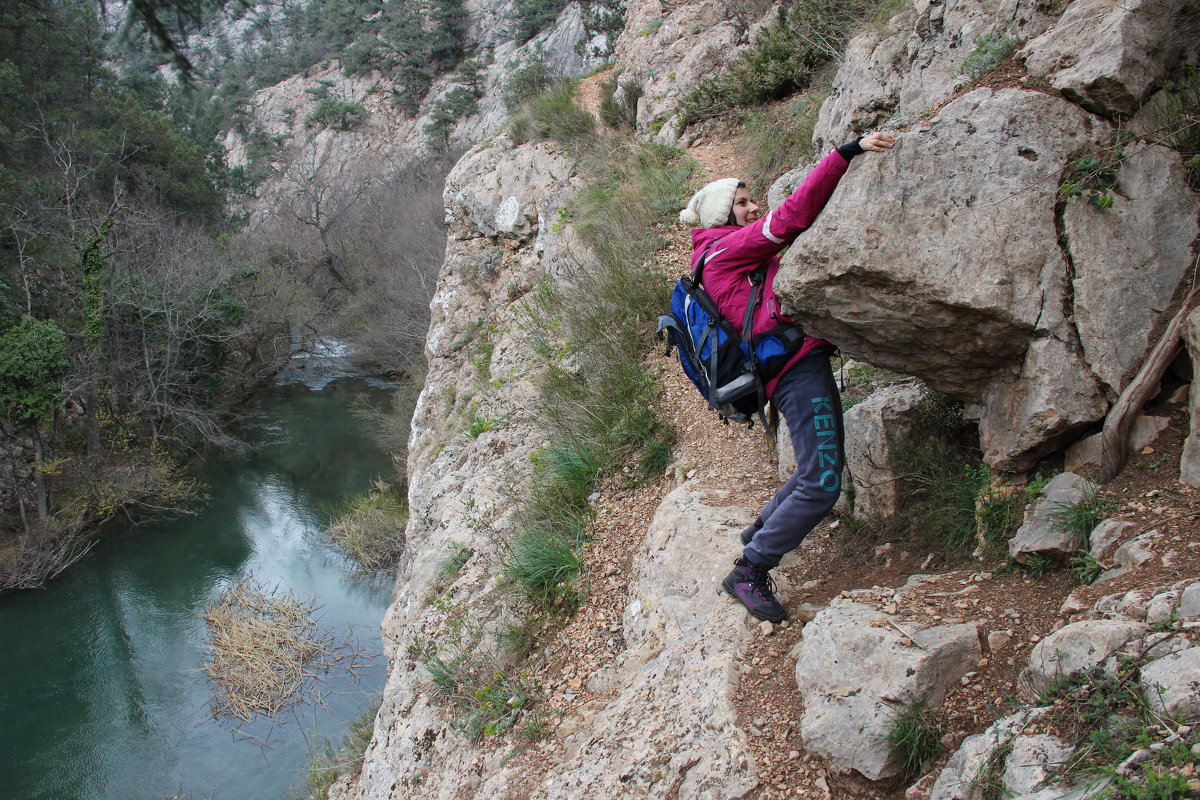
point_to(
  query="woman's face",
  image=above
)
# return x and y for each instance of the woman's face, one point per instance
(744, 211)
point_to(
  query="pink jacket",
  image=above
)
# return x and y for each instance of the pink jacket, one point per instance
(740, 250)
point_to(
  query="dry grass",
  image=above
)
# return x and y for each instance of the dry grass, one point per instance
(370, 529)
(269, 652)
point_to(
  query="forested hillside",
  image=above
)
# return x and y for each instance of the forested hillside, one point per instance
(138, 308)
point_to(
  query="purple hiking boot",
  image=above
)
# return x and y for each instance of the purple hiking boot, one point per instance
(753, 587)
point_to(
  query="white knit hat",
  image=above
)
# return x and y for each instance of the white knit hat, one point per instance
(711, 205)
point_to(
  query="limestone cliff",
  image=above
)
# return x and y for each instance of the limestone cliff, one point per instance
(959, 259)
(388, 137)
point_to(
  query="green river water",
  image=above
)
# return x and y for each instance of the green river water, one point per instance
(101, 689)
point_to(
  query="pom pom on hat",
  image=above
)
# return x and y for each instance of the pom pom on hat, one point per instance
(711, 205)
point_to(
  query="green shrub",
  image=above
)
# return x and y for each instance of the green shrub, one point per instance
(601, 411)
(1096, 175)
(546, 558)
(369, 528)
(1081, 518)
(1177, 113)
(619, 113)
(333, 113)
(990, 50)
(914, 739)
(566, 474)
(525, 82)
(457, 557)
(943, 477)
(780, 138)
(533, 16)
(1085, 568)
(606, 403)
(998, 510)
(477, 425)
(554, 114)
(1035, 566)
(1108, 714)
(783, 59)
(546, 565)
(485, 699)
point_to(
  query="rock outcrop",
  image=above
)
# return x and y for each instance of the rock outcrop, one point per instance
(959, 257)
(876, 429)
(1014, 756)
(1110, 56)
(458, 501)
(1047, 530)
(858, 668)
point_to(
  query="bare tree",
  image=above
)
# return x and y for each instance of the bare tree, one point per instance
(315, 201)
(398, 239)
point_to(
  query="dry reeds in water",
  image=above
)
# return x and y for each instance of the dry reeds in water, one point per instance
(268, 652)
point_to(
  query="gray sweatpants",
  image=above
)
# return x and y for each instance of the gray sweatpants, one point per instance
(808, 398)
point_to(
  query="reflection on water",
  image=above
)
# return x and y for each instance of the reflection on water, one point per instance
(101, 692)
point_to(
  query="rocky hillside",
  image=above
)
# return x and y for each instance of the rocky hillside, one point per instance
(389, 133)
(1024, 249)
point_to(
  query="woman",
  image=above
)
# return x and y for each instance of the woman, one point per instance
(734, 241)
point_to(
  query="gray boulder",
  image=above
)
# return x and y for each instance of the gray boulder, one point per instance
(1189, 603)
(1163, 605)
(960, 777)
(915, 63)
(875, 427)
(1031, 761)
(1075, 647)
(1048, 400)
(1043, 532)
(1172, 684)
(1104, 537)
(854, 669)
(1129, 260)
(1131, 555)
(941, 260)
(1110, 55)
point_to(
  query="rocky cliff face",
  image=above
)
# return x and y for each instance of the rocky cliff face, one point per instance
(962, 260)
(387, 138)
(959, 259)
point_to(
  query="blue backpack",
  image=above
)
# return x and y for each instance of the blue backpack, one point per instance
(730, 369)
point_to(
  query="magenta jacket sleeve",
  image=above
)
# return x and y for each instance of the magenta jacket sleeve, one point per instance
(781, 226)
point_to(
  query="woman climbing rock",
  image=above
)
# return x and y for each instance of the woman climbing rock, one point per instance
(734, 242)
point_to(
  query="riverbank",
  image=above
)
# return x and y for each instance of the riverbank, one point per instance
(104, 696)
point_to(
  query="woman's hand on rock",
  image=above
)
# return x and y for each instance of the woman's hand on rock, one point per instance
(877, 141)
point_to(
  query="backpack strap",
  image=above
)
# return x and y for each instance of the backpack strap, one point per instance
(697, 276)
(757, 277)
(669, 323)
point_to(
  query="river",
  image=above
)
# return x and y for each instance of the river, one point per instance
(101, 689)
